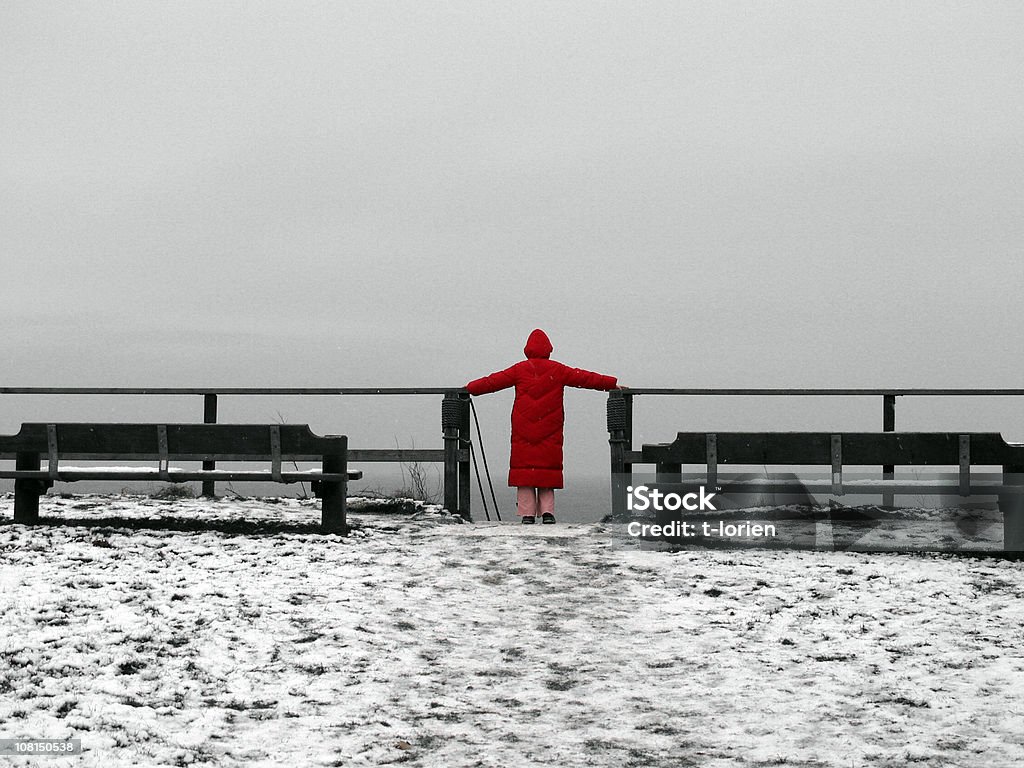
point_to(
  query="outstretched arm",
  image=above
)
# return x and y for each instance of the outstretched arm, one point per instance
(494, 382)
(577, 377)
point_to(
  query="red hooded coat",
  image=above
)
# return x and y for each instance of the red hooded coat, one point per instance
(538, 415)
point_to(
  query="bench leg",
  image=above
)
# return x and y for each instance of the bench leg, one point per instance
(27, 492)
(333, 497)
(1012, 507)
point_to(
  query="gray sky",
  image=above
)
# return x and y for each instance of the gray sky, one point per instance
(328, 194)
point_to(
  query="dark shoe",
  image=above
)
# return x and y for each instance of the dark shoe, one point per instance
(528, 520)
(548, 518)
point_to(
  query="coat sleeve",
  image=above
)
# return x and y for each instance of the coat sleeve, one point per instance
(577, 377)
(494, 382)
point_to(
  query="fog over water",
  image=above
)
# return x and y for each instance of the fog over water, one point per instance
(393, 194)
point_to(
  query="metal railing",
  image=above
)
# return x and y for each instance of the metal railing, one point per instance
(621, 402)
(454, 453)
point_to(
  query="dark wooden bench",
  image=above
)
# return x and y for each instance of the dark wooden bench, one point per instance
(53, 444)
(841, 450)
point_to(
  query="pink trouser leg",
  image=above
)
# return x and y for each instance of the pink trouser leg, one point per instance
(526, 499)
(546, 500)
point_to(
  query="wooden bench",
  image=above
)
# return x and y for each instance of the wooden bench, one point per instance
(53, 444)
(841, 450)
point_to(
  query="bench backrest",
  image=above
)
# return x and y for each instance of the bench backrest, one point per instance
(854, 448)
(224, 442)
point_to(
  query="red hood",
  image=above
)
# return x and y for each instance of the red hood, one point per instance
(538, 345)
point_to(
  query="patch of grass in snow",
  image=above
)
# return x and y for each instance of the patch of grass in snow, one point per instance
(834, 657)
(662, 664)
(500, 673)
(173, 492)
(507, 702)
(633, 757)
(642, 758)
(564, 679)
(665, 728)
(65, 707)
(130, 667)
(234, 704)
(903, 700)
(194, 756)
(444, 717)
(165, 523)
(385, 506)
(561, 684)
(132, 701)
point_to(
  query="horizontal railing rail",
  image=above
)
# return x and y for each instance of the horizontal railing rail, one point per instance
(826, 391)
(229, 390)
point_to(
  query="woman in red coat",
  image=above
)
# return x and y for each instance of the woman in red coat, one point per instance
(535, 466)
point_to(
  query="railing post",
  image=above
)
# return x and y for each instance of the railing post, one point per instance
(888, 425)
(209, 417)
(27, 492)
(628, 467)
(334, 493)
(450, 430)
(1012, 507)
(465, 441)
(620, 440)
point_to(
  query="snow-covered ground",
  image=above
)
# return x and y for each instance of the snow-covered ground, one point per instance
(419, 640)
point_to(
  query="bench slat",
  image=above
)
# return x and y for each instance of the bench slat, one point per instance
(176, 475)
(837, 464)
(51, 448)
(965, 465)
(357, 455)
(867, 487)
(858, 448)
(247, 440)
(275, 451)
(165, 460)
